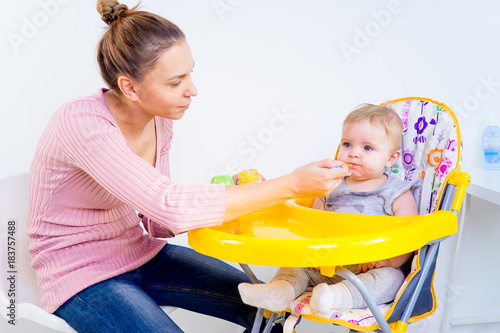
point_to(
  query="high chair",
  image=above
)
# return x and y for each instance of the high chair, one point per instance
(291, 234)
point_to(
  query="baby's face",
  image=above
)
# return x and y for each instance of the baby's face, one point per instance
(367, 148)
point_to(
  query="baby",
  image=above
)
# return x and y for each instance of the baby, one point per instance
(371, 137)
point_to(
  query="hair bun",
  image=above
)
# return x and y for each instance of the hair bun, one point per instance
(111, 10)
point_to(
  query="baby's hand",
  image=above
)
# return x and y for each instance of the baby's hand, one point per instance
(363, 268)
(314, 269)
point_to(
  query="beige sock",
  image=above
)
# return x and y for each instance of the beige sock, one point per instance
(329, 297)
(274, 296)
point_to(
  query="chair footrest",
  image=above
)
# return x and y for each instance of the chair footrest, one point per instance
(356, 319)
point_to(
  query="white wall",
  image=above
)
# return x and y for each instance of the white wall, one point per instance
(275, 78)
(255, 59)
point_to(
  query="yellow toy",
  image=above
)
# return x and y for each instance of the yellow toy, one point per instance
(248, 177)
(294, 235)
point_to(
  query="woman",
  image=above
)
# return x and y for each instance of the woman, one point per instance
(105, 156)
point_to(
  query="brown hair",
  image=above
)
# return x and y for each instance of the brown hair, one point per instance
(381, 116)
(133, 41)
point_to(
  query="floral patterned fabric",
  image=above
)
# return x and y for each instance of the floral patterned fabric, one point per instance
(430, 150)
(429, 147)
(352, 318)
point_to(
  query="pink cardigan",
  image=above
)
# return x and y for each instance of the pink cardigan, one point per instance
(86, 186)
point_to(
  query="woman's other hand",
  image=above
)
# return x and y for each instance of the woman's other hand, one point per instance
(235, 178)
(315, 179)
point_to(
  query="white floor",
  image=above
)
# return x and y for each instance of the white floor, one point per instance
(204, 324)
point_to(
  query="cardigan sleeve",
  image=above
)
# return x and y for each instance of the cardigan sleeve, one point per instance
(91, 141)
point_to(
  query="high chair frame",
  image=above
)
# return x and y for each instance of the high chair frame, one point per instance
(301, 236)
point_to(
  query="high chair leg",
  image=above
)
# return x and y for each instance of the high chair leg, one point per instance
(400, 327)
(248, 271)
(260, 312)
(258, 321)
(270, 322)
(429, 256)
(348, 275)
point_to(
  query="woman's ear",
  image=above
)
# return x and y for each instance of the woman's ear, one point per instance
(126, 86)
(393, 158)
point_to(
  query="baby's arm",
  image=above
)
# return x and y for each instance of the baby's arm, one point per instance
(404, 205)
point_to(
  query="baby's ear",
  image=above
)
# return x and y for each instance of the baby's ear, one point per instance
(393, 158)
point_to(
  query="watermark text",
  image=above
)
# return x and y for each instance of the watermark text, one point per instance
(11, 271)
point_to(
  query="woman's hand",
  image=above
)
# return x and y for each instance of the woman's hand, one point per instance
(311, 180)
(317, 179)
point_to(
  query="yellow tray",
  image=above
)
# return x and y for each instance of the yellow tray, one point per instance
(293, 235)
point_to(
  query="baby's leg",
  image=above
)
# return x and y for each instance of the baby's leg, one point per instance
(285, 287)
(329, 293)
(382, 283)
(328, 297)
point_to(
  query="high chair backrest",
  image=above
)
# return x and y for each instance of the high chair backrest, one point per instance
(430, 147)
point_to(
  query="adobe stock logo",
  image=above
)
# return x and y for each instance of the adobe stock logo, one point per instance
(483, 91)
(31, 26)
(364, 36)
(223, 6)
(249, 148)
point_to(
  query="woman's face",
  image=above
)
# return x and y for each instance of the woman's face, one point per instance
(167, 89)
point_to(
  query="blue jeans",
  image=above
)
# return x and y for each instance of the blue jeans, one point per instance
(176, 276)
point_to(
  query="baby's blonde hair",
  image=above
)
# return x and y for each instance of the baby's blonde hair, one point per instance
(381, 116)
